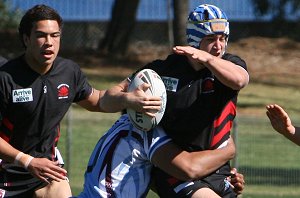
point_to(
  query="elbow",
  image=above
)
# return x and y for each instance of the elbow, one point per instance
(241, 80)
(188, 170)
(194, 172)
(231, 155)
(240, 83)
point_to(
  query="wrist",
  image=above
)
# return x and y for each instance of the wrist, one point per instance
(209, 60)
(125, 101)
(23, 159)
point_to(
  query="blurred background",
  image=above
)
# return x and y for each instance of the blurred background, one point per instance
(112, 38)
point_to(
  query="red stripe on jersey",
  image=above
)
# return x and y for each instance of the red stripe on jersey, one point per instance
(230, 109)
(55, 142)
(4, 137)
(222, 133)
(172, 181)
(7, 124)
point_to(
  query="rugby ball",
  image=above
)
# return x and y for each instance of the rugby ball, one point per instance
(139, 120)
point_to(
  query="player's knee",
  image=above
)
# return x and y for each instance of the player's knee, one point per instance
(54, 190)
(205, 193)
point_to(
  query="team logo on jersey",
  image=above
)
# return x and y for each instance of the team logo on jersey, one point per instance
(170, 83)
(207, 85)
(22, 95)
(63, 91)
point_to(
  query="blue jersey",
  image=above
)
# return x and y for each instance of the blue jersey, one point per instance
(120, 164)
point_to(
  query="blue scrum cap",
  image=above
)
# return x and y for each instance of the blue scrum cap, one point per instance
(206, 20)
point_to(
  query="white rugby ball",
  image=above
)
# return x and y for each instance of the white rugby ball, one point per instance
(140, 120)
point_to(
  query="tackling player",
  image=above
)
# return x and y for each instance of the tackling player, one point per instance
(202, 82)
(121, 162)
(202, 91)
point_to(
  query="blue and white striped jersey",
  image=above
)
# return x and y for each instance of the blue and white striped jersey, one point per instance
(120, 164)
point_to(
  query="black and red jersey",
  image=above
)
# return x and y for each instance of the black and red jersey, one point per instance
(32, 105)
(200, 109)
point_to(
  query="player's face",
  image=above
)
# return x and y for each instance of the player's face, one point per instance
(214, 44)
(43, 44)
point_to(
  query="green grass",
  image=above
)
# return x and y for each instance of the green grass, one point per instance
(270, 163)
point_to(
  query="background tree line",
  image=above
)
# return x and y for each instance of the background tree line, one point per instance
(123, 19)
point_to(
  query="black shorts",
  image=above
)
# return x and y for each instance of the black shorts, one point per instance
(168, 186)
(19, 185)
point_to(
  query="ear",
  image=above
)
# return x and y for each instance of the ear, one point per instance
(25, 40)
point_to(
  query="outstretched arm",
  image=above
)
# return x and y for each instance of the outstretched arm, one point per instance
(282, 123)
(227, 72)
(194, 165)
(117, 99)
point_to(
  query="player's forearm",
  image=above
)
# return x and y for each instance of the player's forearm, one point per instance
(189, 166)
(228, 73)
(7, 152)
(203, 163)
(297, 136)
(114, 99)
(294, 137)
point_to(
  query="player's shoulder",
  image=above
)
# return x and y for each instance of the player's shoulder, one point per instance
(66, 64)
(229, 56)
(65, 61)
(173, 63)
(13, 66)
(235, 59)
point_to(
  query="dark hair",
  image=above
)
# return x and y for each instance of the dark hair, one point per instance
(37, 13)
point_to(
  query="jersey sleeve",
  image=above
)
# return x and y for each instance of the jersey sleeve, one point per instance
(159, 138)
(236, 60)
(83, 88)
(4, 92)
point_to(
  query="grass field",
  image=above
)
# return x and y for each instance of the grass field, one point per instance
(270, 163)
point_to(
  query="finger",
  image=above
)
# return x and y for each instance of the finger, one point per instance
(44, 179)
(151, 113)
(144, 86)
(154, 100)
(182, 50)
(151, 109)
(270, 116)
(238, 189)
(179, 48)
(42, 176)
(233, 171)
(53, 176)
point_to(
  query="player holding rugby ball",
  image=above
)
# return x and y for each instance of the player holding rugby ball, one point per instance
(122, 160)
(202, 83)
